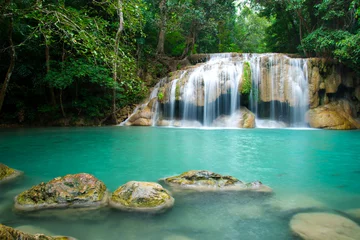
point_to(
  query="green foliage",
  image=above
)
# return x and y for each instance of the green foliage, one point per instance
(323, 41)
(348, 51)
(246, 83)
(160, 96)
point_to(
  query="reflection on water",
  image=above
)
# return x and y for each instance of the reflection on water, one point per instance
(304, 168)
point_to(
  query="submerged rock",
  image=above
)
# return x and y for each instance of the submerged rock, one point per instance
(295, 202)
(355, 213)
(335, 115)
(319, 226)
(9, 233)
(7, 174)
(141, 197)
(29, 229)
(71, 191)
(208, 181)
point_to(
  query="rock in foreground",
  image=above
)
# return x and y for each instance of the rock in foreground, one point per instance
(7, 174)
(320, 226)
(141, 197)
(208, 181)
(337, 115)
(9, 233)
(71, 191)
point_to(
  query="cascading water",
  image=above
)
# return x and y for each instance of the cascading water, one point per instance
(216, 93)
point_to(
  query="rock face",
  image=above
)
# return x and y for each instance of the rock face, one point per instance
(208, 181)
(71, 191)
(320, 226)
(335, 115)
(7, 174)
(141, 197)
(8, 233)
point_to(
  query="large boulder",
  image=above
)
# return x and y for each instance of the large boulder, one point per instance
(203, 180)
(335, 115)
(320, 226)
(7, 174)
(142, 117)
(141, 197)
(8, 233)
(242, 118)
(71, 191)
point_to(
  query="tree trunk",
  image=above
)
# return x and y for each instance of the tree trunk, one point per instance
(61, 91)
(190, 42)
(47, 62)
(61, 104)
(11, 66)
(116, 52)
(161, 40)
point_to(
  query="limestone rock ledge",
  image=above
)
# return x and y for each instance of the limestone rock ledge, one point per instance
(337, 115)
(81, 190)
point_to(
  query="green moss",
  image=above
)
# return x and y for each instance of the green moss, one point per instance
(160, 96)
(5, 171)
(177, 92)
(126, 198)
(245, 86)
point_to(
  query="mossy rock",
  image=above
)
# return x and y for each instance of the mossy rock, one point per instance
(9, 233)
(7, 174)
(203, 180)
(141, 197)
(81, 190)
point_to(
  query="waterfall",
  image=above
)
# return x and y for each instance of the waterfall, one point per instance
(219, 92)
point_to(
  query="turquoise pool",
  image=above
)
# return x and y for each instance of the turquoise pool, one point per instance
(309, 170)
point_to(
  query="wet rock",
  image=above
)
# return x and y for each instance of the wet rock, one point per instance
(335, 115)
(203, 180)
(71, 191)
(8, 174)
(141, 197)
(243, 118)
(143, 117)
(8, 233)
(320, 226)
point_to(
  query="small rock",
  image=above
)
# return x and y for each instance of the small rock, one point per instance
(208, 181)
(8, 174)
(8, 233)
(141, 197)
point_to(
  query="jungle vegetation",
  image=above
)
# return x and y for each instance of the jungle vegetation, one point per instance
(89, 59)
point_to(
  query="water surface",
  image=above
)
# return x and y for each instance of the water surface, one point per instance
(309, 170)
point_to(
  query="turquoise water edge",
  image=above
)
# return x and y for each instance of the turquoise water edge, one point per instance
(309, 170)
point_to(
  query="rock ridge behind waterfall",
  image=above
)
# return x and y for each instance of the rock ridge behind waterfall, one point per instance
(272, 87)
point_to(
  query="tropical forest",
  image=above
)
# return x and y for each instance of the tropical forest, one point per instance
(179, 120)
